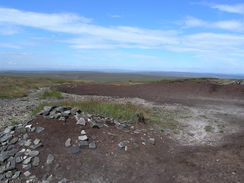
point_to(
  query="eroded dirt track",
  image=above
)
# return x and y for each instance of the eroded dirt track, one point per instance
(188, 93)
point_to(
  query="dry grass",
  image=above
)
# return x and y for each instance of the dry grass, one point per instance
(14, 87)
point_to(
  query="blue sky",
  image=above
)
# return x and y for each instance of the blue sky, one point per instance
(139, 35)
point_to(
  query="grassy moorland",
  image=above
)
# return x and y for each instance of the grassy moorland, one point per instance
(14, 87)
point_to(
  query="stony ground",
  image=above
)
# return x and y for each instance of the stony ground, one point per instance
(66, 145)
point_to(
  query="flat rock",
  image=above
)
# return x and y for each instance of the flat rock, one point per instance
(33, 153)
(8, 174)
(27, 173)
(81, 121)
(16, 175)
(73, 150)
(39, 129)
(50, 159)
(83, 143)
(67, 142)
(151, 141)
(92, 145)
(27, 143)
(36, 141)
(83, 137)
(27, 160)
(83, 132)
(8, 129)
(6, 137)
(27, 167)
(36, 161)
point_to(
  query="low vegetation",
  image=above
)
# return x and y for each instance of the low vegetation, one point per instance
(117, 111)
(208, 128)
(51, 94)
(14, 87)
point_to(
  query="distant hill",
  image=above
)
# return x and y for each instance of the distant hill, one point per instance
(117, 76)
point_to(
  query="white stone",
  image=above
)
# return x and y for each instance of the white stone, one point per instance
(83, 137)
(83, 132)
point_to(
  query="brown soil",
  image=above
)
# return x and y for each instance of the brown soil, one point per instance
(166, 161)
(163, 162)
(188, 93)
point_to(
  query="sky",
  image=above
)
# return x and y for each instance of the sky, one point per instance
(134, 35)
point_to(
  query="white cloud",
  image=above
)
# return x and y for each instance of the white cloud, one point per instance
(73, 24)
(116, 16)
(231, 25)
(89, 35)
(236, 8)
(9, 45)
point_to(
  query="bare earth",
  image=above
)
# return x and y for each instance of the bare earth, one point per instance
(190, 154)
(216, 156)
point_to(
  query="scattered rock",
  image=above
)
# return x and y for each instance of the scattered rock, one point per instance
(16, 175)
(81, 121)
(50, 159)
(83, 143)
(92, 145)
(36, 161)
(151, 141)
(73, 150)
(27, 173)
(39, 129)
(36, 141)
(68, 142)
(27, 160)
(83, 137)
(33, 153)
(83, 132)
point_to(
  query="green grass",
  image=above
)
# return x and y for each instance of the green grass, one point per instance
(116, 111)
(221, 128)
(14, 122)
(51, 94)
(208, 128)
(38, 109)
(14, 87)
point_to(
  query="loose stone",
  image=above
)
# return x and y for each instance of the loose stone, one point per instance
(16, 175)
(151, 141)
(83, 137)
(68, 142)
(9, 174)
(83, 143)
(36, 161)
(27, 173)
(73, 150)
(81, 122)
(27, 160)
(34, 153)
(36, 141)
(50, 159)
(92, 145)
(39, 129)
(83, 132)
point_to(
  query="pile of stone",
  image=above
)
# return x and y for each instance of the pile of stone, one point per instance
(17, 148)
(62, 113)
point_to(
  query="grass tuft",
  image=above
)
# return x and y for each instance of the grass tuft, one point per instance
(51, 94)
(208, 128)
(14, 122)
(121, 112)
